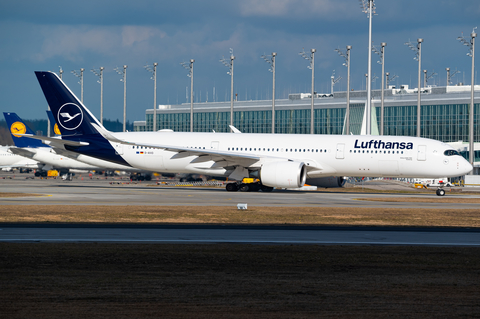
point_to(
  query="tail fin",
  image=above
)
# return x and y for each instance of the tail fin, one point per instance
(18, 126)
(72, 117)
(53, 123)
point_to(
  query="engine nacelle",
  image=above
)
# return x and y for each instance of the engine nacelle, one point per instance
(283, 174)
(327, 182)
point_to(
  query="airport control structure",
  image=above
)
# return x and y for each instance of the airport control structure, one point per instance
(444, 115)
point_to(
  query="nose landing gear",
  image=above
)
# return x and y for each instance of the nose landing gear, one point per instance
(440, 192)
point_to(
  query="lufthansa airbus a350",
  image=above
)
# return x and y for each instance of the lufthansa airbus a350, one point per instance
(277, 160)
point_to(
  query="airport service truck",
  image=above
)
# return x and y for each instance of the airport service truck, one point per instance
(431, 182)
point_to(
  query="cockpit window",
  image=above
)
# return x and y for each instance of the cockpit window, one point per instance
(450, 153)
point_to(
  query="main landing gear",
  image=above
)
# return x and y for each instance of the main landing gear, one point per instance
(247, 187)
(440, 192)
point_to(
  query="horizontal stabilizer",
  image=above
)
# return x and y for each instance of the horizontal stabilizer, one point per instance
(55, 140)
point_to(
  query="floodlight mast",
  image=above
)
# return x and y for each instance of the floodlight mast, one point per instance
(80, 76)
(311, 59)
(427, 77)
(471, 45)
(270, 59)
(229, 64)
(418, 57)
(124, 80)
(381, 53)
(387, 79)
(347, 64)
(368, 7)
(154, 78)
(189, 67)
(334, 81)
(99, 73)
(450, 76)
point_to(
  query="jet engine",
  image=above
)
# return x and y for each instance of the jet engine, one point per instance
(283, 174)
(327, 182)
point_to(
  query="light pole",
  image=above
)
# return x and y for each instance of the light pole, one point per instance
(189, 67)
(381, 53)
(154, 78)
(418, 57)
(369, 8)
(99, 73)
(229, 65)
(311, 59)
(427, 77)
(270, 59)
(347, 64)
(333, 81)
(387, 79)
(471, 45)
(450, 76)
(124, 80)
(81, 81)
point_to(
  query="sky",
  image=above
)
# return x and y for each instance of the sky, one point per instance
(52, 34)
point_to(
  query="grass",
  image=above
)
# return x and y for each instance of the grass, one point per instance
(230, 215)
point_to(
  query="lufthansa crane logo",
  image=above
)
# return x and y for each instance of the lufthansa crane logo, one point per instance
(70, 116)
(56, 129)
(18, 128)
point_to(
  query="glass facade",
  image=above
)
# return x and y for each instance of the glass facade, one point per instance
(445, 122)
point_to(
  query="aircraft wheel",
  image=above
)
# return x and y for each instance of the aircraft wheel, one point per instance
(266, 188)
(254, 187)
(244, 188)
(232, 187)
(440, 192)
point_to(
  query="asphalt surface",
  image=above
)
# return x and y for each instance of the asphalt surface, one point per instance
(196, 234)
(122, 192)
(86, 191)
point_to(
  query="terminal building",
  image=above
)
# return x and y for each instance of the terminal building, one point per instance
(444, 115)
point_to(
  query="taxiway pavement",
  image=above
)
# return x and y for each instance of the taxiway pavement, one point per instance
(101, 192)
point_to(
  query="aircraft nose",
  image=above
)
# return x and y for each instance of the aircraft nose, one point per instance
(466, 167)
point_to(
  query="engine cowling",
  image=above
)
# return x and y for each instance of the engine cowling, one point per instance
(283, 174)
(327, 182)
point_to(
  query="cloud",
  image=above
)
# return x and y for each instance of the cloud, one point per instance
(293, 8)
(72, 43)
(132, 35)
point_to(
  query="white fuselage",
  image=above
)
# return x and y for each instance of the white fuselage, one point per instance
(327, 155)
(56, 161)
(8, 159)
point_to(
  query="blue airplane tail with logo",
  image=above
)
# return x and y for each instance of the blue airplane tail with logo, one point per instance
(75, 122)
(72, 117)
(18, 126)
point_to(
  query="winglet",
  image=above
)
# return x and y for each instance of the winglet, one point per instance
(234, 129)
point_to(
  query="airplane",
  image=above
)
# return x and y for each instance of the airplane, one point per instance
(55, 158)
(36, 150)
(10, 160)
(277, 160)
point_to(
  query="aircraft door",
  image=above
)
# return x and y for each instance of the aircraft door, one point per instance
(118, 148)
(422, 153)
(340, 151)
(214, 145)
